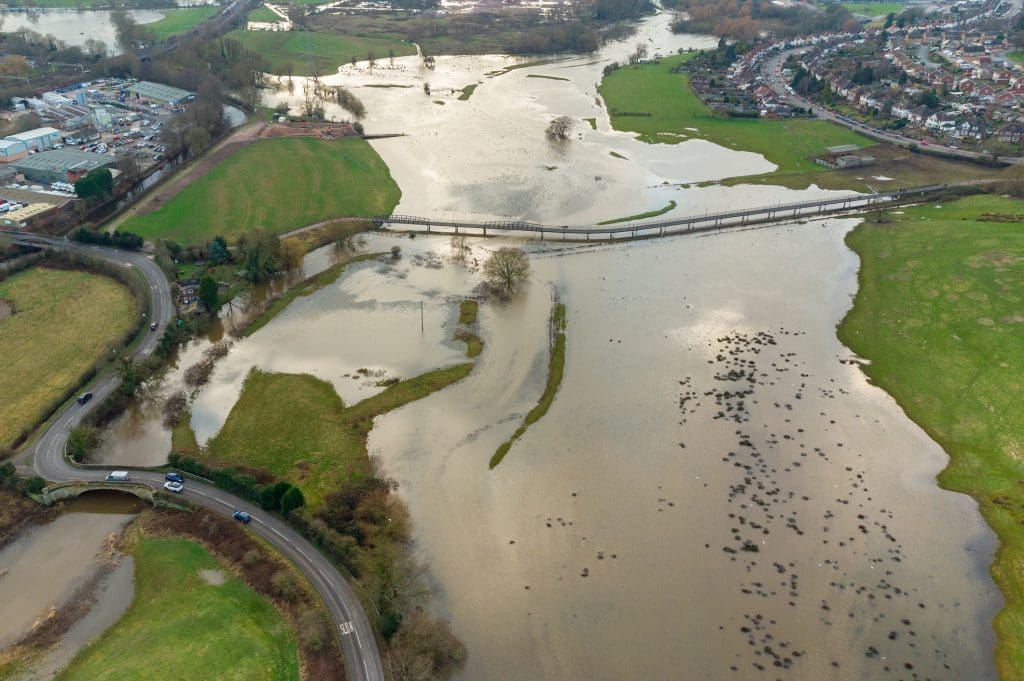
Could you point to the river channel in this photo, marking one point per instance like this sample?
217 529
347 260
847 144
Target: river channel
716 491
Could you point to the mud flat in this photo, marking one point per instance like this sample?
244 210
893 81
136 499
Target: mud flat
715 488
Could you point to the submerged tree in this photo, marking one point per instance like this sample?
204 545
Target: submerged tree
559 128
506 269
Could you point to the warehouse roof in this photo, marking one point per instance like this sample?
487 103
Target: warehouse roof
842 149
63 160
29 135
160 92
28 211
7 144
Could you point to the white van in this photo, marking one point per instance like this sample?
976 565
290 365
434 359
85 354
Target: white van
118 476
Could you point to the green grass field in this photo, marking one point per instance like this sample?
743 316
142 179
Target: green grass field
1015 55
939 313
63 322
263 13
296 427
179 626
874 9
177 21
329 50
278 185
673 106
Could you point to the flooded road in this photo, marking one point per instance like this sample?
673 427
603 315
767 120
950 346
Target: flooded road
716 488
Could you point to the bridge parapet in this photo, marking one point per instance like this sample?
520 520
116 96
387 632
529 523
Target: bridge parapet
69 490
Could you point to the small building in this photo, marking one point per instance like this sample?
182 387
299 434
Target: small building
160 93
39 139
12 150
28 216
64 165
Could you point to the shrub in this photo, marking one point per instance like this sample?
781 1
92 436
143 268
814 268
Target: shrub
291 500
35 484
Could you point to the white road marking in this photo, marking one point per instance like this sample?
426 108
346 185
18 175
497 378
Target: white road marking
346 628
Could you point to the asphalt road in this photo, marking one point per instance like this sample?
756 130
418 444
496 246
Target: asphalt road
362 656
771 70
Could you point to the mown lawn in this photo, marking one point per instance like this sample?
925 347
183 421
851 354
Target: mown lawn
296 427
177 21
1016 55
63 322
277 185
179 626
673 107
329 50
940 315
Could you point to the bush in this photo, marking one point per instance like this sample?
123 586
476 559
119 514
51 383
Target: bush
126 240
270 499
35 484
285 585
292 500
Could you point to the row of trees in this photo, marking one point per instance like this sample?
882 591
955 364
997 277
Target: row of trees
746 21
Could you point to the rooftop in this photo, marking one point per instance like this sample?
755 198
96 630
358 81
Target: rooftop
62 160
33 134
842 149
161 92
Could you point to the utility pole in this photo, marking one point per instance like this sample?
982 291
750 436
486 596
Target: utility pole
421 317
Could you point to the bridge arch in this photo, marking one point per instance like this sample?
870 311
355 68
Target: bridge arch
69 490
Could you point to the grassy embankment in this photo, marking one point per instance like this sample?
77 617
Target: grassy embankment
467 92
329 50
641 216
538 75
177 21
180 626
306 288
467 318
556 365
63 322
277 185
939 313
296 427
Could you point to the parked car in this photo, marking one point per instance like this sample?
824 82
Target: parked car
84 397
242 517
172 486
173 477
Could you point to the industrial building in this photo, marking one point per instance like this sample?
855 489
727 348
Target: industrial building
28 215
159 93
39 139
64 165
12 150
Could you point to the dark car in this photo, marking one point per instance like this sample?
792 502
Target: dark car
84 397
242 517
173 477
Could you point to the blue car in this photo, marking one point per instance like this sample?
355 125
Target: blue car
173 477
242 517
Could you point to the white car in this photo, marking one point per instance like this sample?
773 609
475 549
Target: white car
172 486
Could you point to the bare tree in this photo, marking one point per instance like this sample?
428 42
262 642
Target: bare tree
639 54
559 128
459 247
506 269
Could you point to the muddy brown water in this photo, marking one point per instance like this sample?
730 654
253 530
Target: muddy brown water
716 492
45 566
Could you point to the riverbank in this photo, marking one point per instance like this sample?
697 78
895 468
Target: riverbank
937 314
305 53
657 102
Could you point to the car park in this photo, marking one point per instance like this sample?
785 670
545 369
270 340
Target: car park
172 486
242 517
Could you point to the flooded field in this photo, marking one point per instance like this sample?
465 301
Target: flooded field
716 488
44 567
487 157
73 26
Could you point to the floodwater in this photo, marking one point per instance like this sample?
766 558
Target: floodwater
487 157
716 487
75 26
44 567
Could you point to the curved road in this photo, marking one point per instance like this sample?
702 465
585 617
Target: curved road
362 656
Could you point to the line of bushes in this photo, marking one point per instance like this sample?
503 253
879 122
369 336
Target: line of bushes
119 239
280 497
556 365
